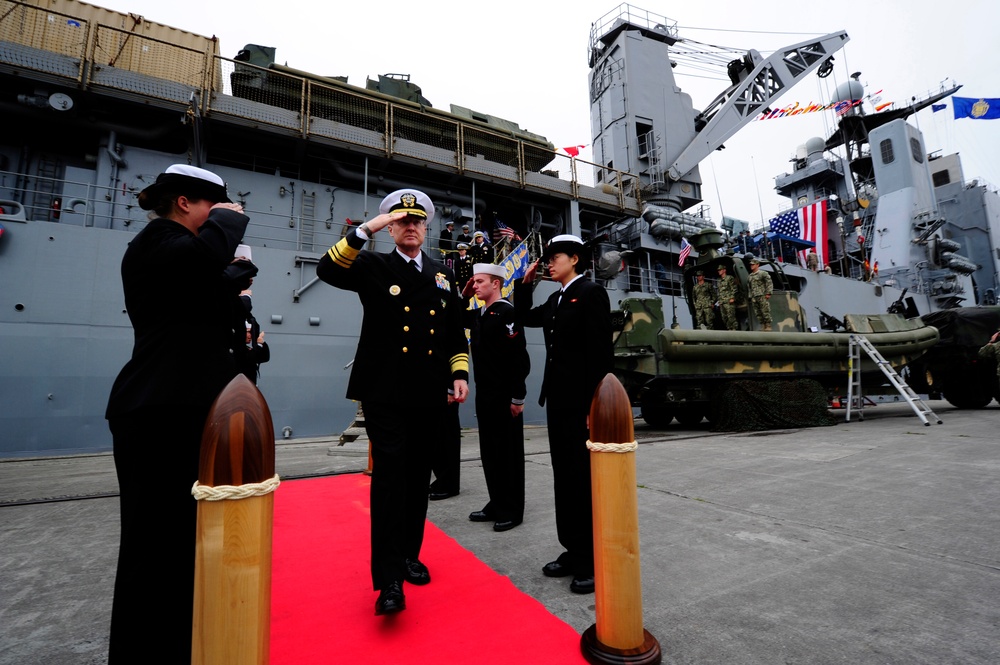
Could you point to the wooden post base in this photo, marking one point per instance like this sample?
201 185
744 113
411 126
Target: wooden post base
647 653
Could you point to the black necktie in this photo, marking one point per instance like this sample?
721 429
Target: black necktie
413 262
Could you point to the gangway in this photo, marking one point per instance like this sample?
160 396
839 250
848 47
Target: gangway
854 399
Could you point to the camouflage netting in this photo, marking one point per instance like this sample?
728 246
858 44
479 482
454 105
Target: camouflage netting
750 406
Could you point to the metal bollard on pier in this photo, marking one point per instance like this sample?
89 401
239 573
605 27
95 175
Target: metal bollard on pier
235 492
618 636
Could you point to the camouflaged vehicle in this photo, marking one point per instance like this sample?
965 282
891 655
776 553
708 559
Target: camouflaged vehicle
953 368
671 372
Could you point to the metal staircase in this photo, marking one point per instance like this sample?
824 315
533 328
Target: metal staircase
854 399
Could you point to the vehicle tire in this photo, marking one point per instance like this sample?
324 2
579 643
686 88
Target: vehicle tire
690 416
967 397
656 416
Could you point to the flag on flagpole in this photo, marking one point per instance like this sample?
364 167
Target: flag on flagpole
806 223
976 109
574 150
505 230
938 107
685 251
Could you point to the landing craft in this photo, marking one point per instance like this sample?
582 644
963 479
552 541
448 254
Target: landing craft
672 372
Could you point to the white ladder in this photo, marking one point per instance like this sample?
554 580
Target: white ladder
854 399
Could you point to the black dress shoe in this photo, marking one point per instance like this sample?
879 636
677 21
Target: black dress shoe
505 525
390 600
417 573
480 516
582 584
437 496
556 569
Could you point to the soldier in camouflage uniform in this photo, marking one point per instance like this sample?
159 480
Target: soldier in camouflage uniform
704 301
991 351
729 294
760 294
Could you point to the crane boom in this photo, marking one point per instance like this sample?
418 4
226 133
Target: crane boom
770 78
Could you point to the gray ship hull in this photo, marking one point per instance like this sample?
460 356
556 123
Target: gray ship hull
309 157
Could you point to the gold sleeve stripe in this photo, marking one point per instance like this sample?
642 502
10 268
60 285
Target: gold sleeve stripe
343 254
460 362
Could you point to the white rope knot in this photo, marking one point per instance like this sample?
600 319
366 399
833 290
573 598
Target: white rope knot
612 447
225 492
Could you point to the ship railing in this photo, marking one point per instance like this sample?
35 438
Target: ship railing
70 202
30 35
188 70
330 110
96 55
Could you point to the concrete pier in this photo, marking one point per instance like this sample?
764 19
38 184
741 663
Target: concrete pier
866 542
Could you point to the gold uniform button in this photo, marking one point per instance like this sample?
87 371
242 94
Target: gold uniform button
406 328
406 309
432 312
430 352
404 349
432 331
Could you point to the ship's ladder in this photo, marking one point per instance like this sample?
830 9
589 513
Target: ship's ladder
859 343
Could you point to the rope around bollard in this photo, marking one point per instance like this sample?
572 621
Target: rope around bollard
596 447
225 492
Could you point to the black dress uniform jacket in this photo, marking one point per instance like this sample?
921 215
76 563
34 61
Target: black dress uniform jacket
499 353
578 346
412 341
184 311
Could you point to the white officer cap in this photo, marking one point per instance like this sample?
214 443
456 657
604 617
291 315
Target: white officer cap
489 269
411 201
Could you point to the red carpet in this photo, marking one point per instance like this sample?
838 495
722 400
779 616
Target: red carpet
322 603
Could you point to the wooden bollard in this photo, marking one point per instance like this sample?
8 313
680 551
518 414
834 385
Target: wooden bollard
236 481
618 636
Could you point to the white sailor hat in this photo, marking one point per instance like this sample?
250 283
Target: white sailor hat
411 201
463 245
184 180
489 269
465 227
478 234
566 244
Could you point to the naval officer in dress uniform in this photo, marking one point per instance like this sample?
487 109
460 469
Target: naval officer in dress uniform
576 321
412 353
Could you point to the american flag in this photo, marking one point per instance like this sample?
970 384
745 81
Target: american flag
501 230
805 223
685 250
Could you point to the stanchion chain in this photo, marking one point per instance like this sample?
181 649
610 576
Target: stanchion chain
224 492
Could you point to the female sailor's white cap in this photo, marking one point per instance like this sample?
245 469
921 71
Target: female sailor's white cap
184 180
565 243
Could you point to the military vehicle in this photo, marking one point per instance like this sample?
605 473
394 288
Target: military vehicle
670 372
952 368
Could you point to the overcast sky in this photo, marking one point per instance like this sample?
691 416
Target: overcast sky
527 62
